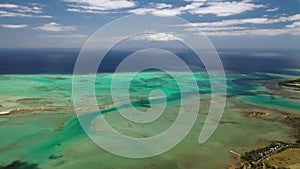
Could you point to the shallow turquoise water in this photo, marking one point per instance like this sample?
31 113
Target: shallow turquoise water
273 101
56 139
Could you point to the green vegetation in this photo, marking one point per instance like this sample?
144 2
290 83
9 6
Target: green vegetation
261 153
289 158
273 155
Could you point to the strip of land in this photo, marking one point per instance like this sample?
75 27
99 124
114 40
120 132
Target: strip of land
5 112
290 83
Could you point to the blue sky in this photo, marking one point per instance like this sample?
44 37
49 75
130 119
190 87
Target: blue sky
265 24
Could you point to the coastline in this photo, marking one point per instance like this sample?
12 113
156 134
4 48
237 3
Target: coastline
258 157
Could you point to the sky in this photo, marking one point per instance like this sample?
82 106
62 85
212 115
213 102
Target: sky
234 24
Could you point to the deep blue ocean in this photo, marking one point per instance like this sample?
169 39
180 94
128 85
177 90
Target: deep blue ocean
62 61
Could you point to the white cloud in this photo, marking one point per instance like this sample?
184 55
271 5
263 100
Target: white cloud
14 10
157 12
97 6
247 32
195 0
253 21
233 22
292 29
248 26
22 9
156 37
85 11
228 8
55 27
163 9
213 29
167 12
219 8
75 36
294 25
142 11
256 31
201 7
11 26
290 18
16 14
272 9
9 6
192 6
162 5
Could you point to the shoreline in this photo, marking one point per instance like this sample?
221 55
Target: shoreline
258 157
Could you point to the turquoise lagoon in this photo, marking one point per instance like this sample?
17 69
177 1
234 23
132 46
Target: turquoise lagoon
43 131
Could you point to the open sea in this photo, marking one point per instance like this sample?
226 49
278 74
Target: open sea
62 61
